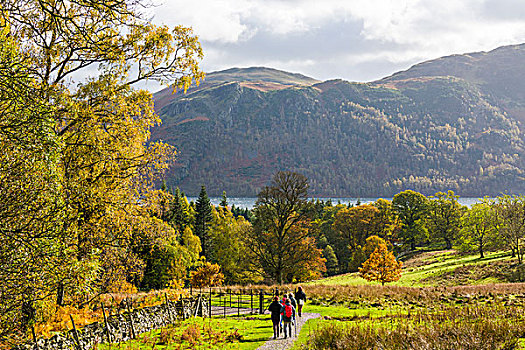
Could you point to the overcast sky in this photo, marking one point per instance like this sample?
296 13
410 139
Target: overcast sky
356 40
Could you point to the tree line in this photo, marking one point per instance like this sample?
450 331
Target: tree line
292 239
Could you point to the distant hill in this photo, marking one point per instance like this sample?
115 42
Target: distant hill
452 123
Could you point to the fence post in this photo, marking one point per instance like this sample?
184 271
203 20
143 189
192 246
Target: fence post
75 333
261 300
108 334
168 307
209 305
34 337
239 304
230 291
130 312
224 305
251 300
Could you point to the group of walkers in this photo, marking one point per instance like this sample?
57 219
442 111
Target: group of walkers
283 312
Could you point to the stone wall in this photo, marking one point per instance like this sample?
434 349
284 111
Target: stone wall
122 327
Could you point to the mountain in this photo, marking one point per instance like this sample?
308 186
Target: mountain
451 123
499 74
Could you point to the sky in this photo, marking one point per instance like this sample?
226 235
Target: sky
355 40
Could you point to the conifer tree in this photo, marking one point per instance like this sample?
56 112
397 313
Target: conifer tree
224 200
203 218
179 214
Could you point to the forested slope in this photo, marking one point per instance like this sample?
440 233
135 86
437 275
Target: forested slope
427 132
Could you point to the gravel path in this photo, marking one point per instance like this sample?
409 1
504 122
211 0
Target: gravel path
281 343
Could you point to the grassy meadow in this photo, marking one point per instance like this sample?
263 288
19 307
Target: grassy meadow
442 301
444 268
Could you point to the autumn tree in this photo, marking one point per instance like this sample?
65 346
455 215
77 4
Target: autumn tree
372 243
208 275
381 266
355 225
231 253
30 215
281 226
91 139
444 215
411 208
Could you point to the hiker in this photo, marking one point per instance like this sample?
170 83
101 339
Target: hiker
301 300
288 314
283 301
275 309
292 300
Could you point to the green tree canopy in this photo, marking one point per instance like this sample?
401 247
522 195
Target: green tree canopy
444 215
479 229
411 208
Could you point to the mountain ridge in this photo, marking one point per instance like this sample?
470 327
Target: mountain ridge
426 130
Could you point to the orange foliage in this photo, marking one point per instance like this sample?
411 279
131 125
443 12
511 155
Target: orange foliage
381 266
61 321
208 275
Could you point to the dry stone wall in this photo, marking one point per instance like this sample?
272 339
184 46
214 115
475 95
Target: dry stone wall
121 327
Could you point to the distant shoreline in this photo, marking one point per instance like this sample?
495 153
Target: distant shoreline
249 202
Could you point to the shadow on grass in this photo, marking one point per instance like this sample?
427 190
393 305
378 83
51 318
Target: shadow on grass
255 340
471 261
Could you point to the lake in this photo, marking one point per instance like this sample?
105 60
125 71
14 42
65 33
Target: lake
249 202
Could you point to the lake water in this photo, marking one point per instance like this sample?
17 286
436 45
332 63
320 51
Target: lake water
249 202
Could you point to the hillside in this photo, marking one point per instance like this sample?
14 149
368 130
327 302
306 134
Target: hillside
427 129
443 268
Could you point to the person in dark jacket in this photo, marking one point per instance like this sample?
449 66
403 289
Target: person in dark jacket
275 309
300 297
288 314
292 300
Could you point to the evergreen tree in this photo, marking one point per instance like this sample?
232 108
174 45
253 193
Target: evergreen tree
179 215
203 218
224 200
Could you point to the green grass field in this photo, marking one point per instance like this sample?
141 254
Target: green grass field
441 296
244 333
429 268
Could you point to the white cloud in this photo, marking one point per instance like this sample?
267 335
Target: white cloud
217 20
313 33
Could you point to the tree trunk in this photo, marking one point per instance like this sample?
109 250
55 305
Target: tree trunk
60 294
448 243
